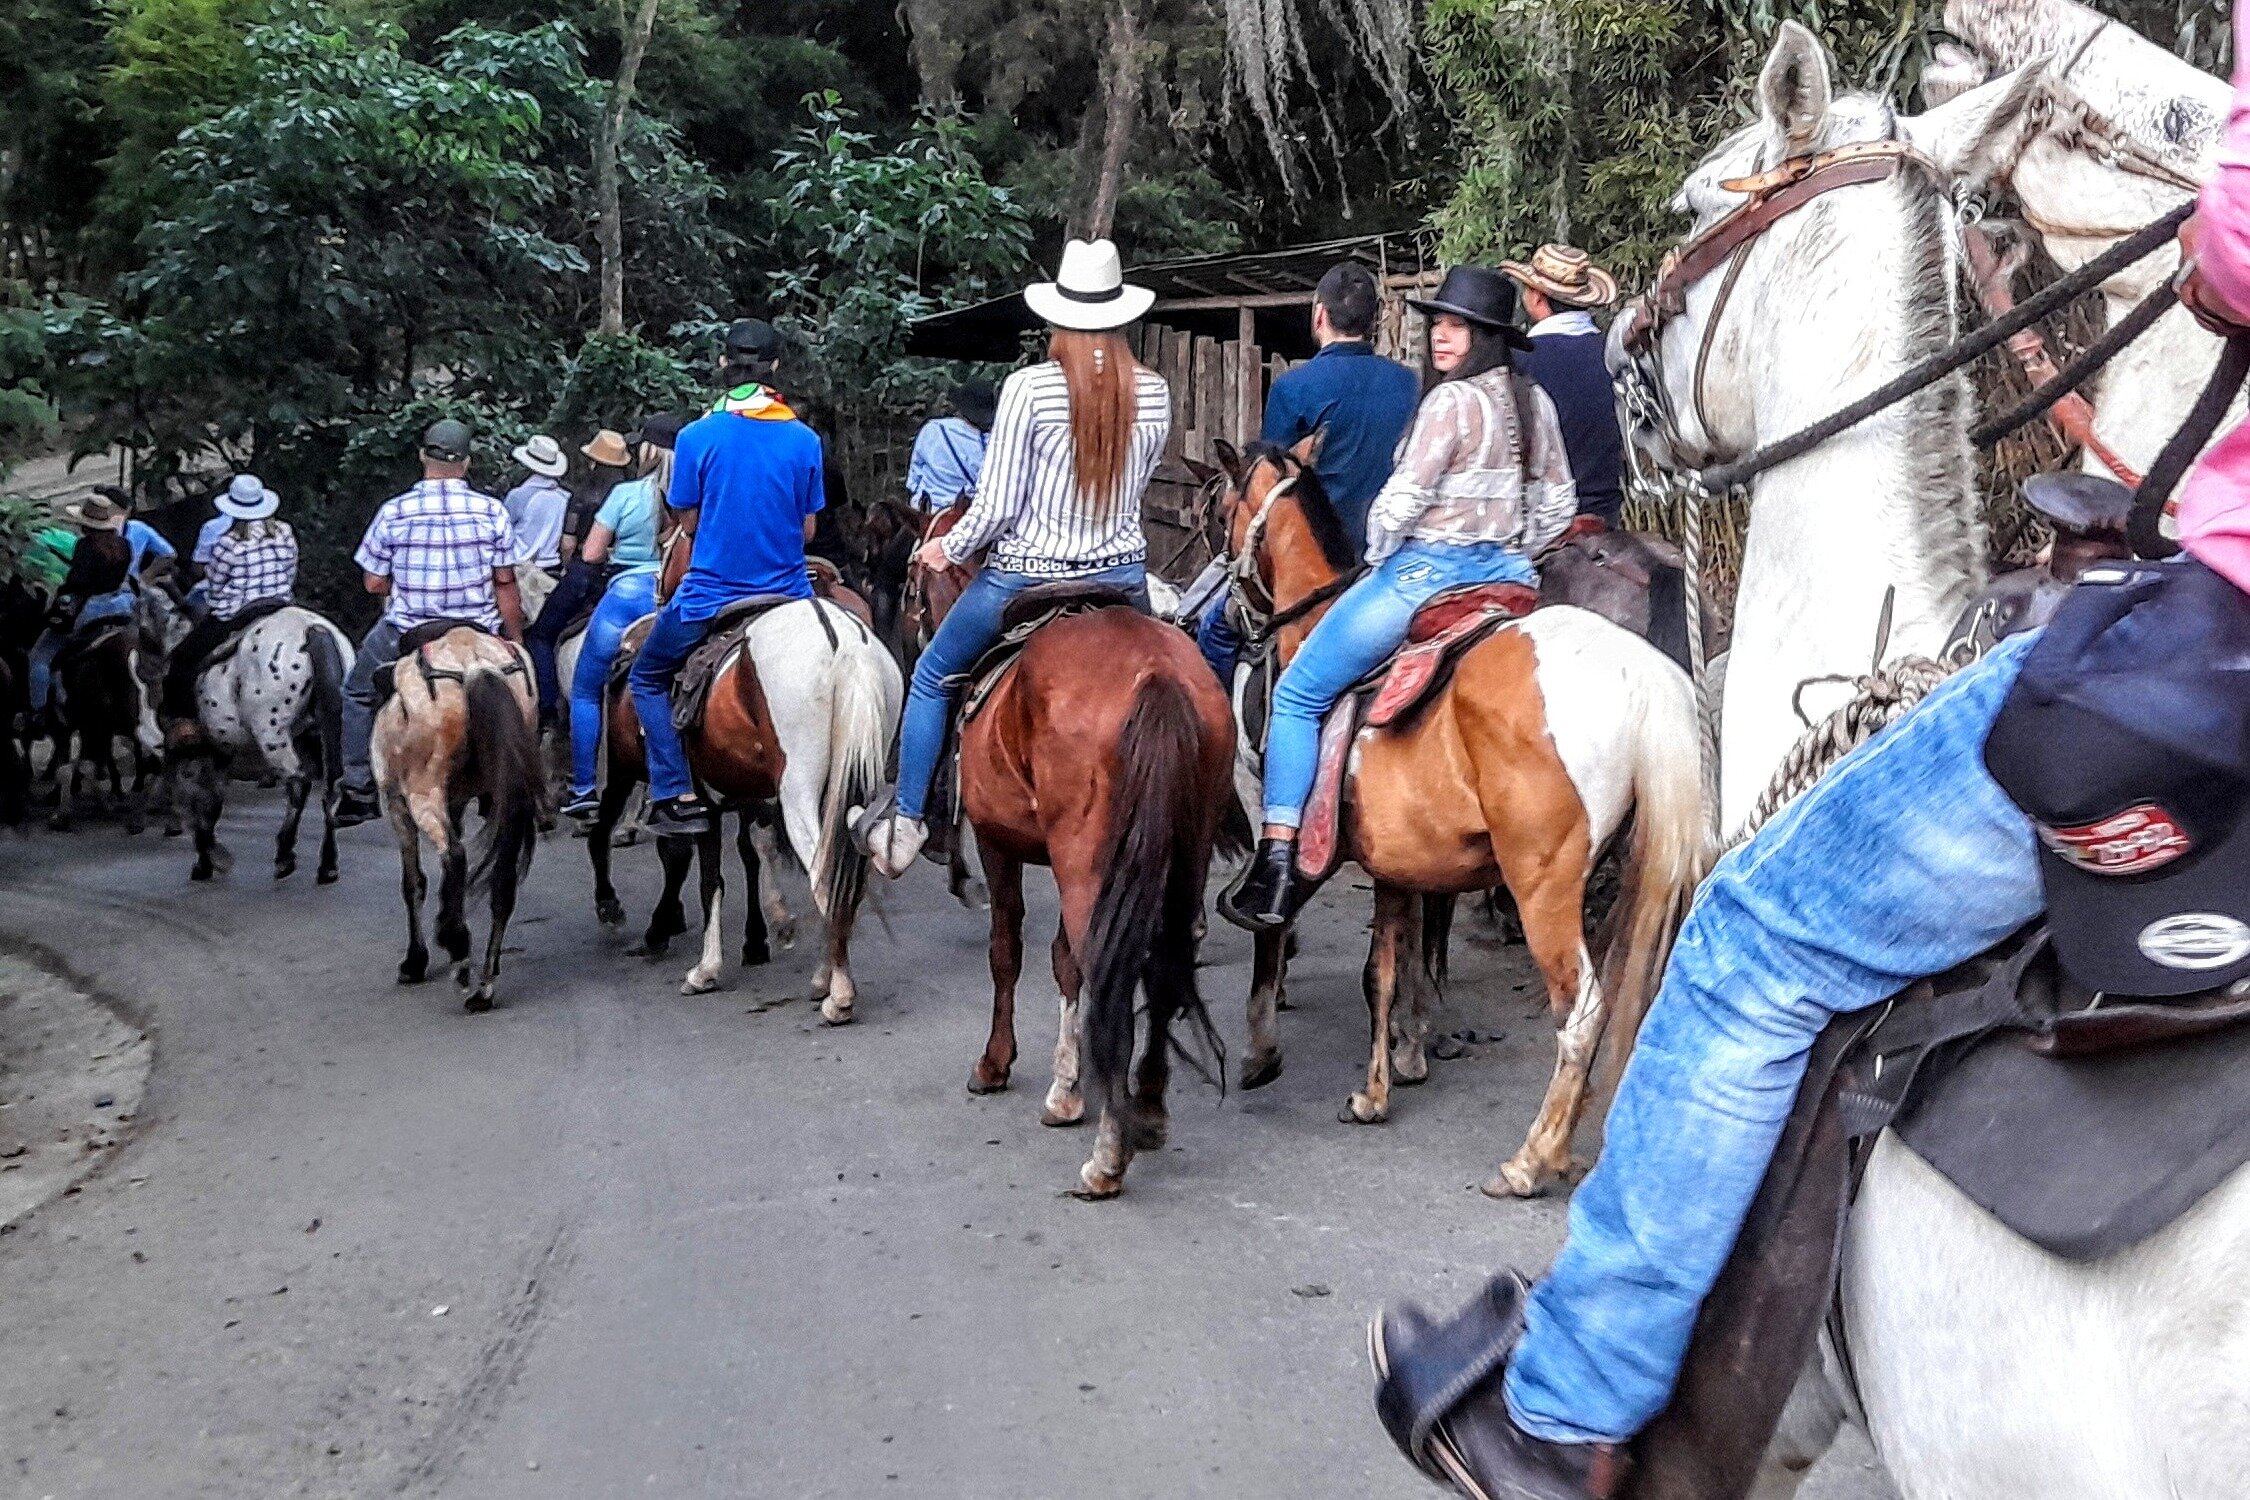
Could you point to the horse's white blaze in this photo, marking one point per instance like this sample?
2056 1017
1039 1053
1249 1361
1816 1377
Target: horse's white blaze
1989 1367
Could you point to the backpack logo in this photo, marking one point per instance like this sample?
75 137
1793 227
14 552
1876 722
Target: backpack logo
2196 940
2140 839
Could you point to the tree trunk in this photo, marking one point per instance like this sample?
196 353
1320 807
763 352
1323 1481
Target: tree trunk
608 133
1122 106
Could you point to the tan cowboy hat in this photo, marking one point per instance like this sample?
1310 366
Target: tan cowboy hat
608 449
1565 274
97 513
1090 292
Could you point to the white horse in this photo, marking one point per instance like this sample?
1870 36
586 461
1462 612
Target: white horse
1828 304
1986 1366
278 696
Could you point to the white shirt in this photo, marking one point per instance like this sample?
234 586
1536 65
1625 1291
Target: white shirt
1474 468
1028 508
1570 324
537 509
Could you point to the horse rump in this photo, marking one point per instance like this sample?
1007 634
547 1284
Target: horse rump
1142 931
859 737
500 766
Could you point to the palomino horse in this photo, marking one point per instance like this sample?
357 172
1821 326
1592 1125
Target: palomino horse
279 695
461 726
1102 754
1552 731
1981 1364
802 719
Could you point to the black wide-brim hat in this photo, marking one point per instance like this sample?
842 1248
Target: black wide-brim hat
2127 740
1482 296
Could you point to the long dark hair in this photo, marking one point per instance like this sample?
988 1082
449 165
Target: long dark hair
1489 350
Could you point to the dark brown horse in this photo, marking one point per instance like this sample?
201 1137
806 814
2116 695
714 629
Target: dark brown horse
104 698
1104 755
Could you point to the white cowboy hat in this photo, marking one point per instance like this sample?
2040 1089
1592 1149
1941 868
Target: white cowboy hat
1090 293
542 455
246 498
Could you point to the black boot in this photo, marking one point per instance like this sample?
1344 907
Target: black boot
1270 891
678 818
1439 1396
354 807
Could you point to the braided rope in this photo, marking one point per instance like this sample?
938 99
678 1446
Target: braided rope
1881 699
1699 671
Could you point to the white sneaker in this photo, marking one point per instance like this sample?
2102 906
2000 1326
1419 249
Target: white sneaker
893 843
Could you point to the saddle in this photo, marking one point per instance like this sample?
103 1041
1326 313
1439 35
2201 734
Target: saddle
2088 515
1443 631
239 627
2083 1122
723 636
410 645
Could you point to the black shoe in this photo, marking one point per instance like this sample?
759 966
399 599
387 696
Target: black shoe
1439 1396
678 818
581 807
354 808
1270 890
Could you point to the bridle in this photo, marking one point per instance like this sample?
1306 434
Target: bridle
1264 617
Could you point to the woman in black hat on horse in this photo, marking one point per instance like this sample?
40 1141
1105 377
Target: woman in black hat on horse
1481 485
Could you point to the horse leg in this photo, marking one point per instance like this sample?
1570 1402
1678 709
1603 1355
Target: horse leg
711 885
206 793
285 838
1269 963
506 871
453 889
836 1010
1551 905
616 792
1410 1062
766 839
1065 1104
990 1075
1396 914
64 763
755 949
668 920
414 887
325 872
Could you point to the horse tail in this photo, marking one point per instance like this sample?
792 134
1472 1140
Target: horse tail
862 708
500 762
1671 851
328 699
1143 928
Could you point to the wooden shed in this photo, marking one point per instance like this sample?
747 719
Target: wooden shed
1224 327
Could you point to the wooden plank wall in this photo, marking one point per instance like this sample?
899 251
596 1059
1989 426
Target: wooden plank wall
1218 392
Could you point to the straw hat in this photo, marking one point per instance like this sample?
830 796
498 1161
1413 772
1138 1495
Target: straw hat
542 455
97 513
247 499
1089 293
608 449
1567 275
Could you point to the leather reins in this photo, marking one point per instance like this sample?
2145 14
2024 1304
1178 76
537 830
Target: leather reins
1263 616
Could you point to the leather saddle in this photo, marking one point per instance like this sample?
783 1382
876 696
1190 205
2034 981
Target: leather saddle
410 646
723 636
2084 1123
2088 514
1444 630
239 627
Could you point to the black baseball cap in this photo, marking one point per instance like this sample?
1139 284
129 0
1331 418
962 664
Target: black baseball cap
752 338
447 441
661 428
2127 740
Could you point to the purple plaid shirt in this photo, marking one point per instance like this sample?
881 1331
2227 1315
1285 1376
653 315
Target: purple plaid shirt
251 561
439 545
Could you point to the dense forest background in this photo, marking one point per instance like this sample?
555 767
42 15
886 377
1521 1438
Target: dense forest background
284 234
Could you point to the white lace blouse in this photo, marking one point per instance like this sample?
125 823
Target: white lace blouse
1469 471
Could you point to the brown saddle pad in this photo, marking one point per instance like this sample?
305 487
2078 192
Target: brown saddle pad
1443 631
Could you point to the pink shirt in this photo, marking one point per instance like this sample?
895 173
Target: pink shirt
2214 502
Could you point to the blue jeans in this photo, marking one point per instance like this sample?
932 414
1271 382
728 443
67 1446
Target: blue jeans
1219 641
581 581
629 596
1905 860
1361 629
669 642
40 667
377 649
966 632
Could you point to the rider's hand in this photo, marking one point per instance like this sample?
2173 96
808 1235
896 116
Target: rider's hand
2195 294
931 556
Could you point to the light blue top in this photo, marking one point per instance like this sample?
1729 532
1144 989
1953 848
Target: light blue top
147 544
207 539
630 513
948 457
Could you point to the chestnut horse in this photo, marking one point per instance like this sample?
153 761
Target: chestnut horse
1104 754
799 720
1522 770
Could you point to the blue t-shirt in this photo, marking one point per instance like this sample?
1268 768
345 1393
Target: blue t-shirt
754 482
630 514
146 543
1366 403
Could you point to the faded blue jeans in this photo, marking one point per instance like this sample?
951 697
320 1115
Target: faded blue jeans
628 597
670 642
967 631
1362 628
1905 860
39 676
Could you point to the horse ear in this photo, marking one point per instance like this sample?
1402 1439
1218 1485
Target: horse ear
1979 132
1228 458
1308 451
1794 90
1203 473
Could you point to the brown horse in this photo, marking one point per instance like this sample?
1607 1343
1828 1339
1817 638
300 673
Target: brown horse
461 726
1104 755
1552 732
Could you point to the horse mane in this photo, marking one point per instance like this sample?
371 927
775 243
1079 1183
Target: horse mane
1313 503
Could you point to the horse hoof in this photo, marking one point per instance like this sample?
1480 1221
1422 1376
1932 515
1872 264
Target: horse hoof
699 984
986 1079
1064 1115
974 896
202 871
610 913
1515 1180
327 875
651 949
478 1003
785 933
1260 1069
132 830
284 868
1361 1110
1409 1069
836 1013
413 972
173 830
1095 1186
755 954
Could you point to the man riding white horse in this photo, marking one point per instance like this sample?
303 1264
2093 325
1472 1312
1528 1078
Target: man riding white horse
2000 794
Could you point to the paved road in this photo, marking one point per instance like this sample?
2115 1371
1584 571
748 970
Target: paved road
612 1241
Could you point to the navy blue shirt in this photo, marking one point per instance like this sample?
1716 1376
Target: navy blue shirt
754 479
1571 369
1366 403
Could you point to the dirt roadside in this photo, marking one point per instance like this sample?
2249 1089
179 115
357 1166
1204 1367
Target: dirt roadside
72 1070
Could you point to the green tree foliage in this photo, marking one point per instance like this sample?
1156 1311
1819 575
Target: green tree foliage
52 134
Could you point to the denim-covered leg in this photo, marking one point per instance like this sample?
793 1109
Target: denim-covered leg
669 642
1219 641
630 597
378 648
543 637
1351 640
1904 861
968 628
39 671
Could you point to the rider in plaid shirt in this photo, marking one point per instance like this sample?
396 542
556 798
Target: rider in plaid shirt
441 551
250 571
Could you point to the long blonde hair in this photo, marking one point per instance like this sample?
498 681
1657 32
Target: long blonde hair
1105 397
657 470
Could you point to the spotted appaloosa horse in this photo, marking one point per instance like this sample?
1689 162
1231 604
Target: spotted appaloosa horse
461 726
1104 755
1525 767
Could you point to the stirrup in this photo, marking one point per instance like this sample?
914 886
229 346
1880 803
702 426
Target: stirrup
865 820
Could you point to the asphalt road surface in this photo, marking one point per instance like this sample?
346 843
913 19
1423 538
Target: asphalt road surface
612 1241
